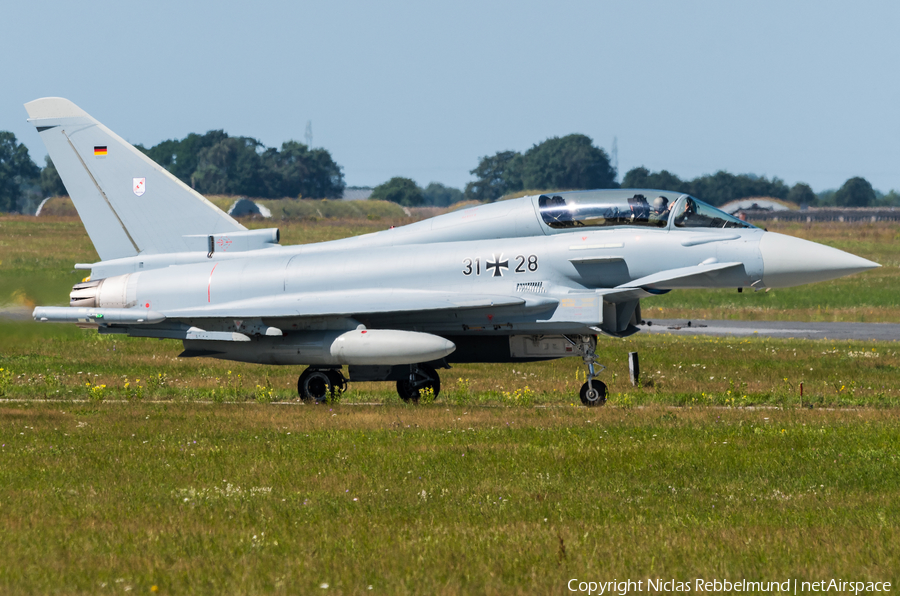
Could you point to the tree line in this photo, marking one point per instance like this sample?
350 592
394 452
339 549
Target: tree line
574 163
406 192
722 187
212 163
20 177
216 163
570 162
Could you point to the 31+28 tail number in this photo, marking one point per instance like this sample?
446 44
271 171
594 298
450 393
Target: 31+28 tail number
497 265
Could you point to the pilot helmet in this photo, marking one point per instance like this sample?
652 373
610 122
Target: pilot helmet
660 203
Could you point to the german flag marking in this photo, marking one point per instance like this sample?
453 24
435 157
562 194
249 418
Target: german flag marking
100 151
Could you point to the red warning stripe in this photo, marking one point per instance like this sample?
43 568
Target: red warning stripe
209 284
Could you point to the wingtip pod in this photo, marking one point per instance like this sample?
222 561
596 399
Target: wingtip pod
47 108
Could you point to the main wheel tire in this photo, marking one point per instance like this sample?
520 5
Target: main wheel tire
315 385
337 380
407 392
410 393
593 394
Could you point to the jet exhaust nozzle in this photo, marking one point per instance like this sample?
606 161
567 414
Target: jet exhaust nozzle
110 292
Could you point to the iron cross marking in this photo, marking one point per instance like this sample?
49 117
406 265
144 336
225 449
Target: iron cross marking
497 265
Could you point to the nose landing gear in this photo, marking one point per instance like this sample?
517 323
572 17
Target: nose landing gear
593 392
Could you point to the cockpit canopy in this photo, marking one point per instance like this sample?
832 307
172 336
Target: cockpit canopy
650 208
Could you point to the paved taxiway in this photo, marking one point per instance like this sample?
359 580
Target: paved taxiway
786 329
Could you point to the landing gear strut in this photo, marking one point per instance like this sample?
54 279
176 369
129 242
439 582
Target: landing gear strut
593 392
421 377
317 385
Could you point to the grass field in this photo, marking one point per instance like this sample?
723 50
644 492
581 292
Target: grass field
125 469
245 499
65 363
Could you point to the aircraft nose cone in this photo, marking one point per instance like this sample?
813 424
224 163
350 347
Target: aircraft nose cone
789 261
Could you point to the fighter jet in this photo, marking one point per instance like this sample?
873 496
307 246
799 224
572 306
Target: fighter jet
521 280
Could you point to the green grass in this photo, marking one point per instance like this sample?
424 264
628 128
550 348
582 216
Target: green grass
248 499
37 256
320 209
122 466
62 362
282 209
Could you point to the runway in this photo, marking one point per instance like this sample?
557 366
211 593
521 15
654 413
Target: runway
783 329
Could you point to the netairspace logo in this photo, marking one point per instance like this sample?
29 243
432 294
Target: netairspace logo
791 586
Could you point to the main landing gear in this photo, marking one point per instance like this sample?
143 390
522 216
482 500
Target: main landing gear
319 384
593 392
415 381
421 379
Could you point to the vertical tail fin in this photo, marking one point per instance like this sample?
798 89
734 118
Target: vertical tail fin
129 204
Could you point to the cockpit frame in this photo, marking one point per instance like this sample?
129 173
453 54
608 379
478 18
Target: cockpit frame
567 211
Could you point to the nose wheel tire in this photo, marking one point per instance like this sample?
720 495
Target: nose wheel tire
593 394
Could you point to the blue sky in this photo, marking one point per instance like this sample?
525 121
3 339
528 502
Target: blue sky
807 91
